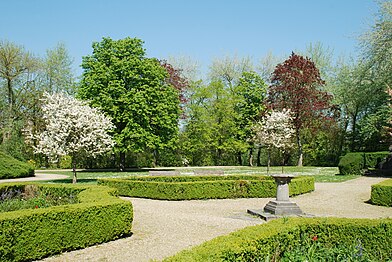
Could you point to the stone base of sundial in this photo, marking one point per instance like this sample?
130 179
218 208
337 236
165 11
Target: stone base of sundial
282 206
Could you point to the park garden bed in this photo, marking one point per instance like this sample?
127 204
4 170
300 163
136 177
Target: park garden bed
204 187
94 215
382 193
300 239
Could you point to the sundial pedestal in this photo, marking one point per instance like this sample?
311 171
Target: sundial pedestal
282 206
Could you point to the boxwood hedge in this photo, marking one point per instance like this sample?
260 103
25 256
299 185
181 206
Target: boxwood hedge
204 187
31 234
273 239
13 168
354 163
382 193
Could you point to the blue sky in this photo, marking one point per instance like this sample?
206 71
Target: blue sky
202 29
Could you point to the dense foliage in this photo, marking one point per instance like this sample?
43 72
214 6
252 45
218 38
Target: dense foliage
133 90
382 193
355 163
33 234
13 168
282 238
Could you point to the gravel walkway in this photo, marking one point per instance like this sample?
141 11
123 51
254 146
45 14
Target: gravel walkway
36 177
162 228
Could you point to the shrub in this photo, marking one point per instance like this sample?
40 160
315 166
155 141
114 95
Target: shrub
12 168
31 234
272 241
354 163
351 164
382 193
204 187
372 159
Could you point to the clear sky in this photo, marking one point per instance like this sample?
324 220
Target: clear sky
201 29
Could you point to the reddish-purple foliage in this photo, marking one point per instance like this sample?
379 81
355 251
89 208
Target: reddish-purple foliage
295 85
176 80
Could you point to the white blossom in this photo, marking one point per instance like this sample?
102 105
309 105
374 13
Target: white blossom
72 127
276 129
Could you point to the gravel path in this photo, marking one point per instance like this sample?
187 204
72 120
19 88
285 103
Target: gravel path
36 177
162 228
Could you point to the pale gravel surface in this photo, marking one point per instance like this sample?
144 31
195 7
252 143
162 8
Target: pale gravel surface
36 177
162 228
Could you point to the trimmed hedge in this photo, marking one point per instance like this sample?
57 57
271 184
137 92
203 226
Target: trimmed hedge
13 168
273 239
31 234
354 163
382 193
204 187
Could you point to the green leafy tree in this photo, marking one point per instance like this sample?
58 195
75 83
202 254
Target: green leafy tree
132 89
58 75
250 93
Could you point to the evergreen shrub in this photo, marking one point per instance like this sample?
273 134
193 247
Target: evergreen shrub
382 193
204 187
354 163
351 164
32 234
272 240
13 168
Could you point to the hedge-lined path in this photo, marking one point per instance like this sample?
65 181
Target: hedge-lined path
36 177
162 228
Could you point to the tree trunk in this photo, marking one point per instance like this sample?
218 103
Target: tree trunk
354 131
300 152
10 94
74 179
251 156
239 158
268 160
258 162
342 138
122 162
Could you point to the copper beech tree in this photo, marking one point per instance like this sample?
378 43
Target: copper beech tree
295 85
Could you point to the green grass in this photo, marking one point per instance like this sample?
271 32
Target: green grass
321 174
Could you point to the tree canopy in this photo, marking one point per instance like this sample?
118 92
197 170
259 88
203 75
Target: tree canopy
131 88
296 86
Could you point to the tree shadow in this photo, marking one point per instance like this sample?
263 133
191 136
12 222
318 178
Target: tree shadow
69 181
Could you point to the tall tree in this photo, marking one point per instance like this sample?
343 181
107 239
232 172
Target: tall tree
296 86
14 62
228 70
132 89
58 70
251 93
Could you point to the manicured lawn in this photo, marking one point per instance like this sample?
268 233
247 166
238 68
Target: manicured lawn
321 174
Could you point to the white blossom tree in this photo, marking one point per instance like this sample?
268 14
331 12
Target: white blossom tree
72 128
276 129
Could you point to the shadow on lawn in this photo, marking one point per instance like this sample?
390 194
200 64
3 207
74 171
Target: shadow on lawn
69 181
131 170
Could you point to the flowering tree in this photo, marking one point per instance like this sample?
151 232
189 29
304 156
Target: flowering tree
72 128
276 129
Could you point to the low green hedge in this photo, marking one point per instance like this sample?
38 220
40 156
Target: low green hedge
382 193
204 187
13 168
271 240
354 163
31 234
